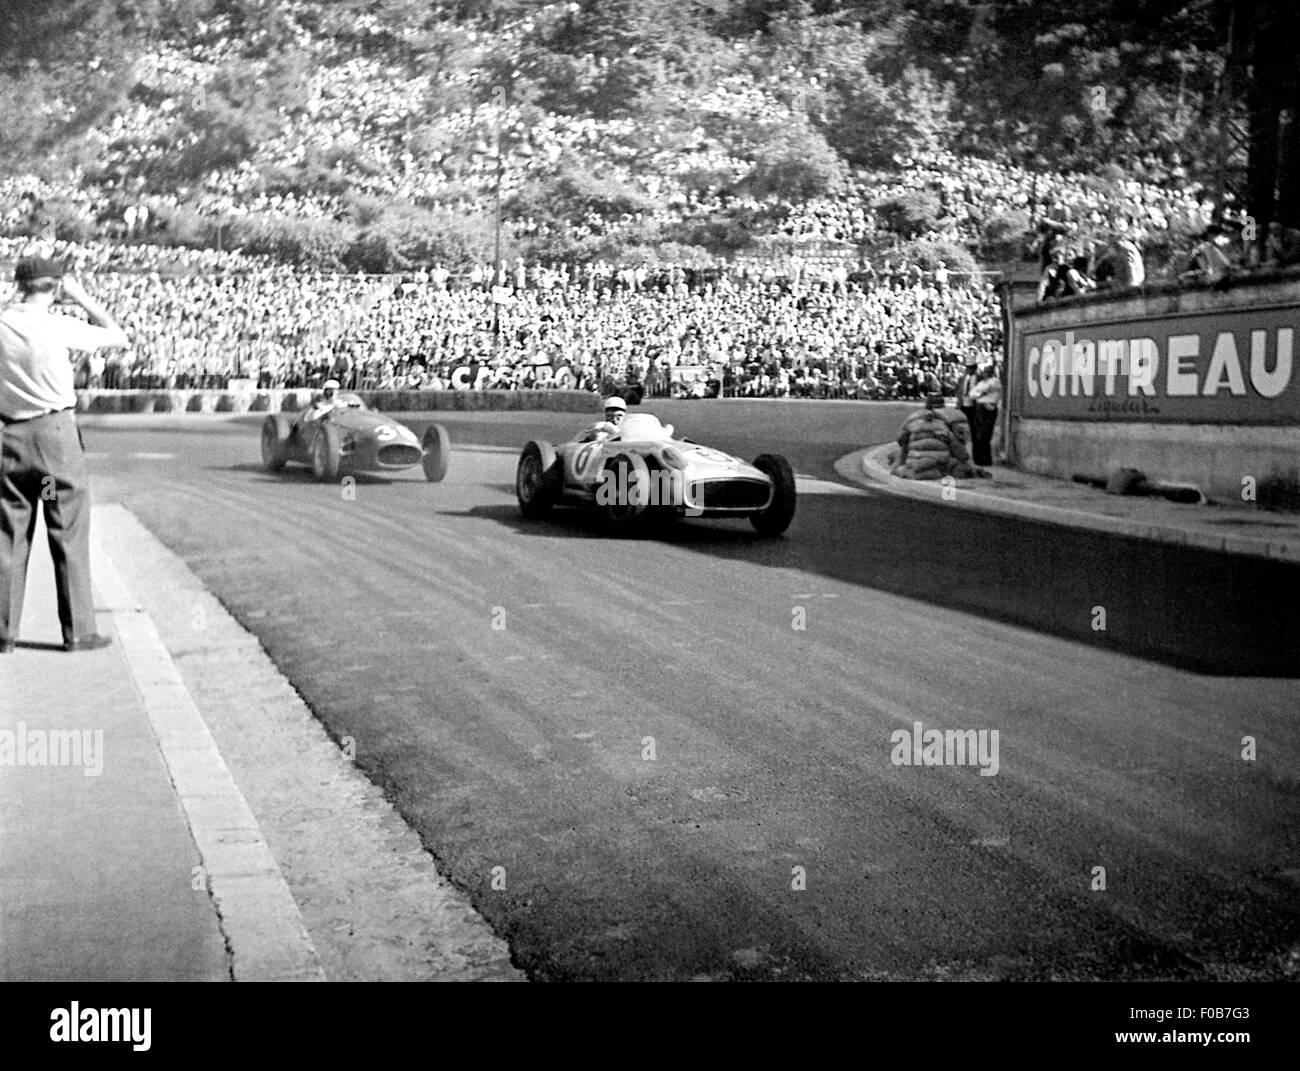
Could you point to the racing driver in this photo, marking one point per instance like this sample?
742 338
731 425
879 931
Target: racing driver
325 404
615 410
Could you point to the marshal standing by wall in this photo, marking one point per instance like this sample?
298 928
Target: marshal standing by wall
42 462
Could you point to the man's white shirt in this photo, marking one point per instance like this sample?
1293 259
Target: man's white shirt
36 371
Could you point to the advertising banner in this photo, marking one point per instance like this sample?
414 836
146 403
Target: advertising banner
539 375
1226 367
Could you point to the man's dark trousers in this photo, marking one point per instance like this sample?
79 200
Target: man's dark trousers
42 464
982 428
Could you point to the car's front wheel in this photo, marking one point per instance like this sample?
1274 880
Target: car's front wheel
437 453
326 454
276 430
535 481
623 494
776 518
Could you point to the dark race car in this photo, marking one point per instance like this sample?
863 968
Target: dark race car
350 438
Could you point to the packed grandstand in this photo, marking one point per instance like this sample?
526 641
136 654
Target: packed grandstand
352 230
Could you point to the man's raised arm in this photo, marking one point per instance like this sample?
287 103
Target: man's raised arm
95 313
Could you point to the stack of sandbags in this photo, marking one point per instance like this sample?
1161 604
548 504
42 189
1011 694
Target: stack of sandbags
962 468
934 443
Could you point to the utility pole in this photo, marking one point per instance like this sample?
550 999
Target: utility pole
496 248
1224 101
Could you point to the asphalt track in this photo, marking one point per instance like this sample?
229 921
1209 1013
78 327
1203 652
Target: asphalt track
770 836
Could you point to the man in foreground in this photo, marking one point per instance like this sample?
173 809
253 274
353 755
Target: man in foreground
42 463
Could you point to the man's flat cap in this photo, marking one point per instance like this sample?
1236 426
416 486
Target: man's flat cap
29 268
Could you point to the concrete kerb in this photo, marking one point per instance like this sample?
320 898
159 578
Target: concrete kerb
368 894
258 916
868 467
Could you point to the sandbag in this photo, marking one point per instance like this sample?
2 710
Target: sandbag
930 435
922 421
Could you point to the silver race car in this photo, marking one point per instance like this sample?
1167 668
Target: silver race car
637 469
351 438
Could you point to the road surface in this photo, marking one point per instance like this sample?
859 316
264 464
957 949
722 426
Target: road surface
674 758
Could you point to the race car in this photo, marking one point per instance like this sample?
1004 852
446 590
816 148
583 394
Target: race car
350 438
637 469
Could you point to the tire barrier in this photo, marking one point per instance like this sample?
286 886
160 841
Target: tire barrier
405 401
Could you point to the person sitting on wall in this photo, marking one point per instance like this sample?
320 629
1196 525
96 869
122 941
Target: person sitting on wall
1076 277
1129 268
1210 261
1052 283
1051 233
1283 246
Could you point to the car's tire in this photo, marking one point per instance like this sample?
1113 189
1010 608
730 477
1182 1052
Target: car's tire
326 454
437 453
631 477
535 480
276 430
780 511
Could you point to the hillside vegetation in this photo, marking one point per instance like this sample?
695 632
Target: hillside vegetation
376 134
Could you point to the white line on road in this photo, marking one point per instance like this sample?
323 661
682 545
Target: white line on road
811 485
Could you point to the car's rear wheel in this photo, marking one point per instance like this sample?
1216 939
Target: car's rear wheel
326 454
437 453
776 518
535 480
276 430
624 492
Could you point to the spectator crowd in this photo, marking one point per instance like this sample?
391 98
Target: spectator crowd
892 331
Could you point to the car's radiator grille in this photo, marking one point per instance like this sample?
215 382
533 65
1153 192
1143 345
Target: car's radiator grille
730 494
399 454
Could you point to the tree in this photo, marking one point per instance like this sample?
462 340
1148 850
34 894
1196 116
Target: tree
910 214
404 235
794 164
930 254
225 121
1004 237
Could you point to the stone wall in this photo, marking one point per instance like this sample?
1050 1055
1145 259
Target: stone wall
1195 438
